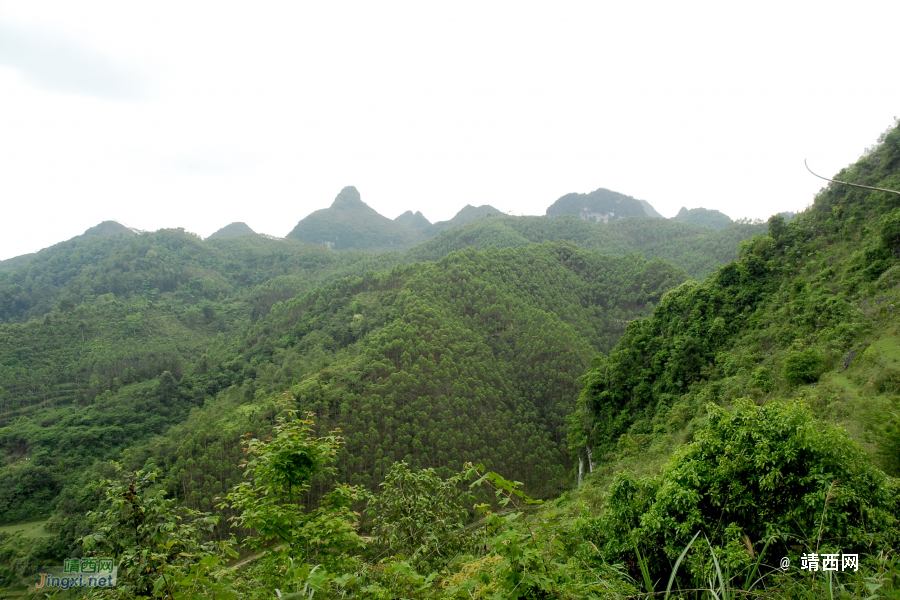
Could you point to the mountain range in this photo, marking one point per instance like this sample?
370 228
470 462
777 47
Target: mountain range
350 223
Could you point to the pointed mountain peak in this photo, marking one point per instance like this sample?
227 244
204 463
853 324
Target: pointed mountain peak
415 220
351 223
348 198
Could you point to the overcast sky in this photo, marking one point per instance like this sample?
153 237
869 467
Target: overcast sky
197 114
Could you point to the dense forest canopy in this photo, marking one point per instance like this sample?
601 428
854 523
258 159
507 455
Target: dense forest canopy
391 359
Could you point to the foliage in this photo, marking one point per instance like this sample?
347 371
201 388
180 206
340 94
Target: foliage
695 249
803 366
278 475
175 348
106 369
793 309
155 542
418 371
418 514
751 475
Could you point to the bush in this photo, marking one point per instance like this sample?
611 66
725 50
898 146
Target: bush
803 366
751 474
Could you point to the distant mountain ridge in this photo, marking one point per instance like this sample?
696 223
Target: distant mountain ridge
600 206
415 220
651 212
103 229
109 228
703 217
349 223
467 214
232 230
606 206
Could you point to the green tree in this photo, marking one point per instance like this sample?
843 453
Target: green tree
417 512
890 231
156 542
271 499
753 474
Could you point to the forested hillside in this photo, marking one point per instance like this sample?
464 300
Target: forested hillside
477 355
804 324
811 303
101 328
94 313
695 249
392 359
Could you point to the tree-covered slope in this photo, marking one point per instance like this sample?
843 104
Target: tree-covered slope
405 353
477 356
695 249
750 404
808 311
99 330
169 264
759 404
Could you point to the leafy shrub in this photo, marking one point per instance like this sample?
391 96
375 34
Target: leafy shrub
762 379
417 512
803 366
750 475
889 448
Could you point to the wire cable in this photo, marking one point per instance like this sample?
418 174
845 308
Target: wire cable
868 187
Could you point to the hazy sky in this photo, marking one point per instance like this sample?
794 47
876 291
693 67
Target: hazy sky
196 114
